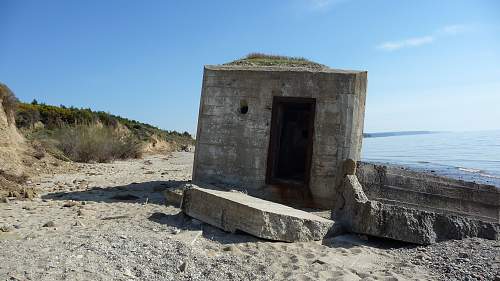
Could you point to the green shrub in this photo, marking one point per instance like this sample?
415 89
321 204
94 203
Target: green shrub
56 117
84 143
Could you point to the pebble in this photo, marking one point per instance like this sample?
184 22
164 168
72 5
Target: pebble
70 203
183 266
448 260
6 228
128 272
463 255
233 249
49 224
78 223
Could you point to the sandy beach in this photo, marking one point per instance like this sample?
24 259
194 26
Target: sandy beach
109 222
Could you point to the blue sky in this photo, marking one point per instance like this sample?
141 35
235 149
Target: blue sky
432 65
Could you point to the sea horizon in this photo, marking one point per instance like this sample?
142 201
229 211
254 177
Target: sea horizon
465 155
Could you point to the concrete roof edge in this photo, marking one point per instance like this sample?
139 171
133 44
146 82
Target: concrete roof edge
280 68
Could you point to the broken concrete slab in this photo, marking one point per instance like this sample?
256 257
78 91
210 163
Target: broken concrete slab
231 211
358 214
173 196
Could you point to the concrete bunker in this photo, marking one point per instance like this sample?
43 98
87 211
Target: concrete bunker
290 131
280 132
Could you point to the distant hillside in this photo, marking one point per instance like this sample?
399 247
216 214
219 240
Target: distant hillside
84 135
33 115
392 134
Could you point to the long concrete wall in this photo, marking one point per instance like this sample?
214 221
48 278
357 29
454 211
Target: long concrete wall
232 147
397 186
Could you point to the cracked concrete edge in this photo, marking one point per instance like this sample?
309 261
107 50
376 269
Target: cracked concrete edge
359 215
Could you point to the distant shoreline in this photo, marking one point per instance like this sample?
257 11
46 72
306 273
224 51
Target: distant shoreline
401 133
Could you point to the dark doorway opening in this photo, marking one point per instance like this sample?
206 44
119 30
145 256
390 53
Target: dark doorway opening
290 148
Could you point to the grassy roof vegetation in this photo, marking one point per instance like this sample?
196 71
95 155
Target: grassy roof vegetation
259 59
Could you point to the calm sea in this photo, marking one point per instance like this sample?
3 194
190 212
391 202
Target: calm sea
471 156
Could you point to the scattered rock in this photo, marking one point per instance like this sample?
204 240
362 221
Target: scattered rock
318 261
81 212
28 208
233 249
463 255
127 272
6 228
448 261
70 203
183 266
49 224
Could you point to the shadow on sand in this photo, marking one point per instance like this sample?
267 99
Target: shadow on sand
150 192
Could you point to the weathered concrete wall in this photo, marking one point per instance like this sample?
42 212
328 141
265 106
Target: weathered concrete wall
396 186
356 213
232 147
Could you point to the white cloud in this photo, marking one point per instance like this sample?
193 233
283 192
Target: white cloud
410 42
448 30
455 29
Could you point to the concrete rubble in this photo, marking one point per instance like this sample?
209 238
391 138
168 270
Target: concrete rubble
356 213
173 196
232 211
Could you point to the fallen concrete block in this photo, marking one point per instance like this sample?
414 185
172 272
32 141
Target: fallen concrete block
358 214
233 211
173 196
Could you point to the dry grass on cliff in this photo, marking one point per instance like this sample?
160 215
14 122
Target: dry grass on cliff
9 102
88 143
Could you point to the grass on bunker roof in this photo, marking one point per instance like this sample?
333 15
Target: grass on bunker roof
260 59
